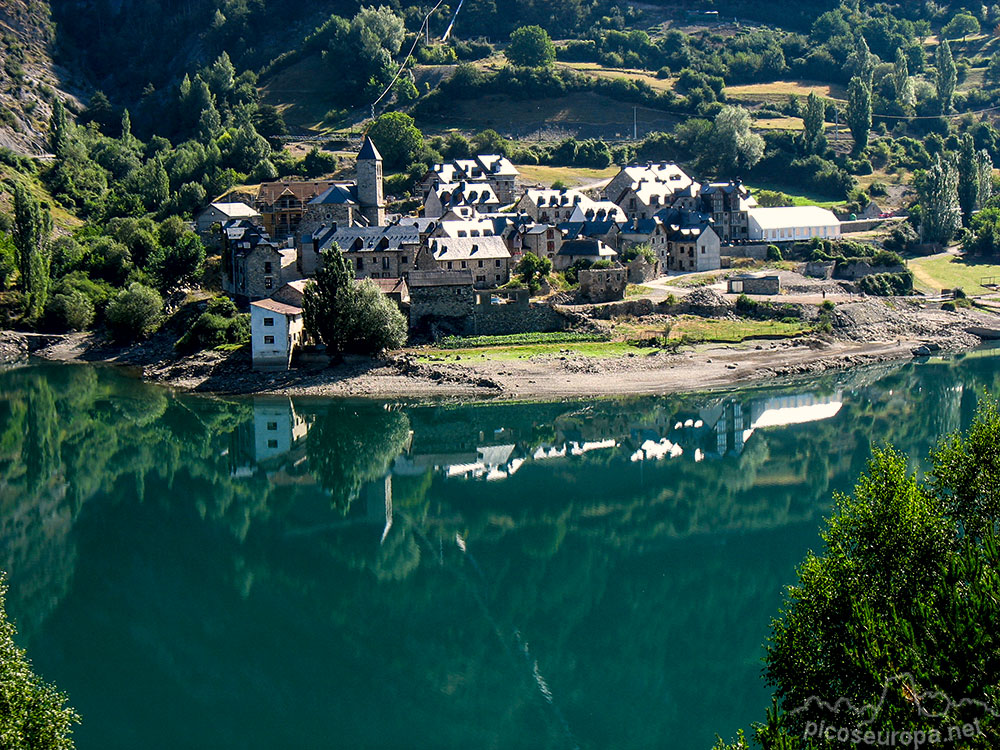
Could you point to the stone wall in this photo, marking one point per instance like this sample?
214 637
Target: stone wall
603 284
500 320
757 252
859 269
447 309
641 270
820 269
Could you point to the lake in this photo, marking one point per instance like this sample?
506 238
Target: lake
307 573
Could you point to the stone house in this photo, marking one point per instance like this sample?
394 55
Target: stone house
487 258
544 240
276 332
603 284
395 289
551 206
446 197
589 211
492 169
607 231
282 203
665 173
254 266
754 284
443 300
583 249
461 224
729 204
690 246
374 252
223 213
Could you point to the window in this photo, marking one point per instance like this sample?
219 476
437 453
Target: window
385 262
267 266
703 251
463 264
272 443
360 264
268 282
480 279
269 339
269 321
272 425
449 265
404 260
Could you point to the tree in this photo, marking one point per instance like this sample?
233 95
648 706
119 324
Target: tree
32 226
908 583
941 215
35 715
135 313
901 81
946 77
71 311
530 47
349 316
178 264
737 146
58 127
814 119
859 112
861 62
531 269
969 178
962 25
397 138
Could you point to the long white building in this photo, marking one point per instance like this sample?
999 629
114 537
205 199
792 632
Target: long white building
790 223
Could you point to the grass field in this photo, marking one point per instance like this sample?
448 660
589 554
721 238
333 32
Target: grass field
733 331
939 272
599 71
781 90
600 349
799 198
779 123
569 176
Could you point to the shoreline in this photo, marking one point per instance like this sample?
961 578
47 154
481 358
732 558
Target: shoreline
543 378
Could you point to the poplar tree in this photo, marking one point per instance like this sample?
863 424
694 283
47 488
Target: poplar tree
941 215
968 179
947 76
58 127
901 81
859 112
32 226
814 139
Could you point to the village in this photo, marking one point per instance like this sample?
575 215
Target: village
453 269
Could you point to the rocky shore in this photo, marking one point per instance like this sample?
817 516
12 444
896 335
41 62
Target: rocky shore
864 332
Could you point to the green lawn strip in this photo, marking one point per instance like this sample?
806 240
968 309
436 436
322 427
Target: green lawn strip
734 331
599 349
951 271
798 197
518 339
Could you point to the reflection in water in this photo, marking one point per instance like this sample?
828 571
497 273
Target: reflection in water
302 572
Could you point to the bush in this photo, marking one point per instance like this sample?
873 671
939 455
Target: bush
901 238
774 253
134 314
949 306
887 284
220 324
72 311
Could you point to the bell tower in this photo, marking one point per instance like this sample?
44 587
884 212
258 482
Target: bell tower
370 195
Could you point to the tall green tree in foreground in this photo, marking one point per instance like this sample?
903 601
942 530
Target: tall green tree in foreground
33 713
859 112
941 214
349 316
32 226
530 47
947 76
901 610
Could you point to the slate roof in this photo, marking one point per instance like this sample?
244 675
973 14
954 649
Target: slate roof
368 239
587 248
278 307
368 151
336 194
468 248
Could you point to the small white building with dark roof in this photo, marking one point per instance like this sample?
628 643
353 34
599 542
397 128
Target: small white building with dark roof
276 331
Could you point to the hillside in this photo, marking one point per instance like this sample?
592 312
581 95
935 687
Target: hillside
28 76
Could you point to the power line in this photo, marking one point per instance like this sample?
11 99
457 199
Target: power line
416 39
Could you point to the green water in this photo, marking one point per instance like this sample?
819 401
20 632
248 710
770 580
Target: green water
264 573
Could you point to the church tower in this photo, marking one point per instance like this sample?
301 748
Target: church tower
370 194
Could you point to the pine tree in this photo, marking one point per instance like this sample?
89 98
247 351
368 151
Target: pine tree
941 215
947 76
859 112
32 226
814 139
326 304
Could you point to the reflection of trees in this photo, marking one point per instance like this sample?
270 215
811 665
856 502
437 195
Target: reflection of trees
349 447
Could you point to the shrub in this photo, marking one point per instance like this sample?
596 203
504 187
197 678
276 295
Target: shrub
887 284
72 311
949 306
134 314
220 324
774 253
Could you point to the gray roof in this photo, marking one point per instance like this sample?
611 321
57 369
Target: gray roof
361 239
368 151
336 194
440 278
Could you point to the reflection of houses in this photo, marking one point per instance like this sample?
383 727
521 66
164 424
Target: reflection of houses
273 440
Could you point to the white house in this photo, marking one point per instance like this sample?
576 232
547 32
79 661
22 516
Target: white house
276 331
790 223
222 212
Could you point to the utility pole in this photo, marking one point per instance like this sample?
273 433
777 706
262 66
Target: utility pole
635 123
